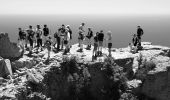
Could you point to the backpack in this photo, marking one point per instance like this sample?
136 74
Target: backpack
55 35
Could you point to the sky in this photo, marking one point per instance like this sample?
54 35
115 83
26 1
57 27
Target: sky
106 7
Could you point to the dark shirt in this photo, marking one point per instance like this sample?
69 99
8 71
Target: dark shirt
22 35
90 34
100 36
30 34
139 32
46 31
135 41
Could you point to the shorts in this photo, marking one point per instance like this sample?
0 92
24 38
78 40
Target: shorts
31 42
95 46
139 37
109 45
89 37
81 37
65 42
100 43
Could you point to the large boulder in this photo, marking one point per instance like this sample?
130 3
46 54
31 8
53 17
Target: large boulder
9 50
5 68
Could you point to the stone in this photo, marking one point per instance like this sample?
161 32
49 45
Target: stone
9 50
5 68
34 76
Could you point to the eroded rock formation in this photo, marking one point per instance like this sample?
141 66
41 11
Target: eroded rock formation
9 50
141 76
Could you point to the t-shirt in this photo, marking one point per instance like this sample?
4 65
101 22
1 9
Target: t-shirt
46 31
100 36
139 32
81 29
109 39
39 34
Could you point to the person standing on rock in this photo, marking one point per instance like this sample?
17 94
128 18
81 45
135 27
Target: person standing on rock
39 37
66 41
57 40
22 37
30 33
62 35
70 31
109 42
139 34
94 55
81 37
48 45
45 33
100 39
89 36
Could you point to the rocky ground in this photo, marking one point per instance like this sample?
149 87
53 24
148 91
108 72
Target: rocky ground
126 76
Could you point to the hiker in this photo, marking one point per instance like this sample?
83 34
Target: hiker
62 35
57 40
39 37
134 44
139 34
70 31
135 40
94 55
66 41
30 33
45 33
22 37
109 42
89 36
48 44
81 37
100 40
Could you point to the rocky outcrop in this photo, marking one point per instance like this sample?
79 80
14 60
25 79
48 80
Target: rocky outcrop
5 68
126 76
9 50
157 85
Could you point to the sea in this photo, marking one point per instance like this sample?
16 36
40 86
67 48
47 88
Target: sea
156 27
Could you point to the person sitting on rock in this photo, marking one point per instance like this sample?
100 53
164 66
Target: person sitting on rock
30 33
139 34
22 37
135 40
39 37
100 40
94 55
81 37
89 36
109 42
134 44
48 45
